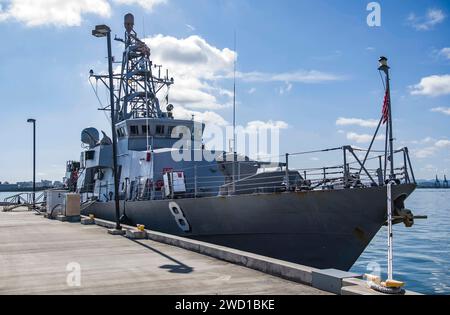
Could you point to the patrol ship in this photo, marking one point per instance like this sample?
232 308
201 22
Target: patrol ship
322 217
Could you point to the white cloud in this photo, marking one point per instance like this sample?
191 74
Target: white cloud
445 52
362 138
54 12
369 123
428 140
300 76
425 152
252 91
190 27
427 22
64 13
442 110
258 125
201 70
148 5
195 65
430 151
286 89
434 85
443 143
207 117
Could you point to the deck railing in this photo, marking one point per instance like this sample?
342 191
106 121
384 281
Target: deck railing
359 169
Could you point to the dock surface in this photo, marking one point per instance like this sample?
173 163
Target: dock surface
35 254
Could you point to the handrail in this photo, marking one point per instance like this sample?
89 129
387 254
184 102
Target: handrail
23 200
357 171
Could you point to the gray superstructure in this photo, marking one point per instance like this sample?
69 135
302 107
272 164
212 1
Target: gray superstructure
322 217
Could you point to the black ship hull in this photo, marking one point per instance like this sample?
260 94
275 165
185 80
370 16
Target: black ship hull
322 229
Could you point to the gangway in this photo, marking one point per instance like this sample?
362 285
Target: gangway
24 200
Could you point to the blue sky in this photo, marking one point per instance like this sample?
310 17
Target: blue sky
301 64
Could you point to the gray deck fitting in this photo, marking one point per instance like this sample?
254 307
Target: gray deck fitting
73 219
136 235
116 232
87 221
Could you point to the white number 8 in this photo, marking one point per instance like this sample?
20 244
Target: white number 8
180 219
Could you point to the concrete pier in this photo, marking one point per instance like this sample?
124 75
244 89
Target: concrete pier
35 252
42 256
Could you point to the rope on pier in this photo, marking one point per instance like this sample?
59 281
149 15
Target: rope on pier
386 290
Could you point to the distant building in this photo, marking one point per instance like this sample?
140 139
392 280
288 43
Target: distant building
58 184
24 185
8 187
41 184
44 184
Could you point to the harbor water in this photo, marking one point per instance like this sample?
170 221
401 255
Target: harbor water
4 194
421 254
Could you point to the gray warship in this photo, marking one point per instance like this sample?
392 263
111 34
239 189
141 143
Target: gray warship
322 217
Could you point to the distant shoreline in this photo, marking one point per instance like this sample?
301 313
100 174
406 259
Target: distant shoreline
25 189
40 189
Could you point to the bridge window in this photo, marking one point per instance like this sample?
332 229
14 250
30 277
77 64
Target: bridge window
145 130
171 131
134 130
179 132
160 129
121 132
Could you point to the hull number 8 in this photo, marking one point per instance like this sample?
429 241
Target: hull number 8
180 219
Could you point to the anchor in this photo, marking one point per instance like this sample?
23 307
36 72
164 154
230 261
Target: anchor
403 215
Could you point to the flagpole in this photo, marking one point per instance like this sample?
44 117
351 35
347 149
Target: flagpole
385 68
234 116
391 136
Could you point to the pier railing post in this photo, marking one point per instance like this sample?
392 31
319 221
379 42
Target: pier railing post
410 165
172 190
324 178
239 171
380 175
405 166
288 184
195 181
345 167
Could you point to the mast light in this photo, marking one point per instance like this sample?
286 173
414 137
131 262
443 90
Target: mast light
101 30
383 61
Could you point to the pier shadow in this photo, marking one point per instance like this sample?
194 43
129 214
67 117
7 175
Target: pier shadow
178 267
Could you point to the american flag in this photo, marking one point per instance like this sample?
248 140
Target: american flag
386 107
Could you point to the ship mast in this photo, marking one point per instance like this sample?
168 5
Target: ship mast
137 95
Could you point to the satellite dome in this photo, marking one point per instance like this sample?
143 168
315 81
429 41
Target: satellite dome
90 136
